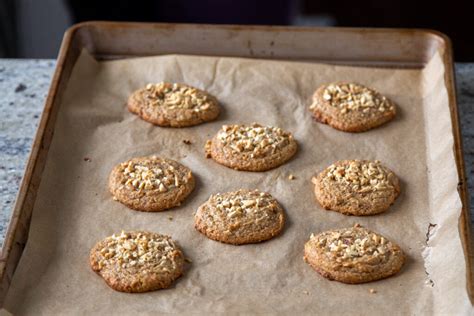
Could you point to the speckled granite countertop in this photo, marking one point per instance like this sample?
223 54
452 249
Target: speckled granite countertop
24 85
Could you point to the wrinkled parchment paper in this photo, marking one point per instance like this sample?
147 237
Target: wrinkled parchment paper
74 208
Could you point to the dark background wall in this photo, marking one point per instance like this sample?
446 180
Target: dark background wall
34 28
453 17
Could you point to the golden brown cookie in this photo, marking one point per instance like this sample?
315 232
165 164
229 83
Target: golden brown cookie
151 184
251 147
356 187
173 104
353 255
351 107
240 217
137 261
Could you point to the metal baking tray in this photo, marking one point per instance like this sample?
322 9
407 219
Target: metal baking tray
109 40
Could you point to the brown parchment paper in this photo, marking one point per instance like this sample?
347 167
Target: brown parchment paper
74 208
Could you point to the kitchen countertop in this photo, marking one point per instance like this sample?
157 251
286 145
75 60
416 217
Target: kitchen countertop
24 84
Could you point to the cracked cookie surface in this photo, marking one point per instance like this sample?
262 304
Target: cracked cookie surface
356 187
351 107
137 261
353 255
173 104
151 184
251 147
240 217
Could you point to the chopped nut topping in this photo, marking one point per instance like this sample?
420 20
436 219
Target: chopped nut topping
255 139
152 174
363 176
138 250
251 205
177 96
355 242
240 217
354 97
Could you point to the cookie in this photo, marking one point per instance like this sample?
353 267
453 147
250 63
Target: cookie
251 147
173 104
240 217
151 184
356 187
351 107
353 255
137 261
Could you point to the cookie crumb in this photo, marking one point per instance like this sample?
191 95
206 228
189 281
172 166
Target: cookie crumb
207 148
372 291
87 159
291 177
306 292
357 225
170 218
115 199
187 141
188 260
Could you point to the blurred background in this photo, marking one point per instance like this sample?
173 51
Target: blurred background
34 28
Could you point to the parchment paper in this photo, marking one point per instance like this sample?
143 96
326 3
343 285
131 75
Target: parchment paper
74 208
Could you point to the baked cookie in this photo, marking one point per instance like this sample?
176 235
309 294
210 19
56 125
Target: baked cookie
151 184
351 107
173 104
353 255
137 261
251 147
240 217
356 187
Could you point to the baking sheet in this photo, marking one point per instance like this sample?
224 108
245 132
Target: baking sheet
74 209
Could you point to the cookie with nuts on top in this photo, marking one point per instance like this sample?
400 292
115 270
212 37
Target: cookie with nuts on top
240 217
356 187
251 147
173 104
151 184
137 261
351 107
353 255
